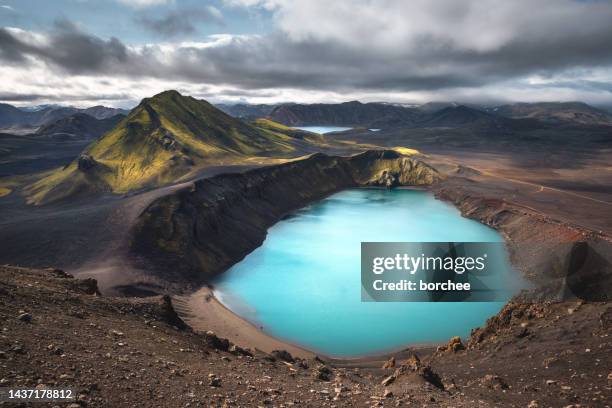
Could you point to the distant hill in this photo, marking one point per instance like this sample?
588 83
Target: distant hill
163 139
103 112
11 116
79 126
246 111
464 116
453 116
354 114
556 112
431 107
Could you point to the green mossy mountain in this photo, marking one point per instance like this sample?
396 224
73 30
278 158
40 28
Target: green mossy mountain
165 138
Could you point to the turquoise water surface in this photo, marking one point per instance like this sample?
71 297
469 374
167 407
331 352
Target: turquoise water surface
322 129
303 284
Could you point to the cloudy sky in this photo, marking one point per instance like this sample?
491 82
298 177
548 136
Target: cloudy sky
115 52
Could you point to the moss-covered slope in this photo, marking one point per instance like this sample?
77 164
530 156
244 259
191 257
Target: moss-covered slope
163 139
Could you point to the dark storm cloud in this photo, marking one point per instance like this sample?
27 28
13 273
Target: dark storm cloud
11 49
580 85
31 97
325 62
179 22
68 48
14 97
78 51
276 61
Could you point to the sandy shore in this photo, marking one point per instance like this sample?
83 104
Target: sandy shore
203 311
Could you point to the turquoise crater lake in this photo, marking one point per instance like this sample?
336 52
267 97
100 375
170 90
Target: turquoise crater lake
303 284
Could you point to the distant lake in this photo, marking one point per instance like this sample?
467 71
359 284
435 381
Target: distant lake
322 129
303 284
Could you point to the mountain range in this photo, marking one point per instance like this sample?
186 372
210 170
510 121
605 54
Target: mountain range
353 114
170 137
556 112
432 114
12 116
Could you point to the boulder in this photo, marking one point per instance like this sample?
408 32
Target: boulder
494 381
454 345
169 315
323 373
88 286
431 376
389 363
387 179
413 362
25 317
168 143
59 273
215 342
413 365
239 351
283 355
213 380
85 162
388 380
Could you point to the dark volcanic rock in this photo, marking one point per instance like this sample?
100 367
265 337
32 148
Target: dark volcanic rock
86 162
414 367
59 273
494 381
239 351
216 342
323 373
88 286
169 314
25 317
168 140
431 376
283 355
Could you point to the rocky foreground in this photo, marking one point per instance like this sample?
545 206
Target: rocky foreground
126 352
